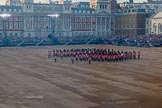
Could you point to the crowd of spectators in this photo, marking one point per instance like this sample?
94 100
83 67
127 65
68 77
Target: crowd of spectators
140 40
14 41
77 39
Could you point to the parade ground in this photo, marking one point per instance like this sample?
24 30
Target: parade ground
28 79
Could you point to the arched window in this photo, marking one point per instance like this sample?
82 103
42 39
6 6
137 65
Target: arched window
159 28
154 28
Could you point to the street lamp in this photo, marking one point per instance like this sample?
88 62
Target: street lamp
4 16
53 17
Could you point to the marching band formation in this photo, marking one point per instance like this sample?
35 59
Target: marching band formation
94 55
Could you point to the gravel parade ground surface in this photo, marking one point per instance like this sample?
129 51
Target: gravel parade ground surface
28 79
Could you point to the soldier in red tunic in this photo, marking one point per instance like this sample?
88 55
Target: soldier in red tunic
89 59
139 54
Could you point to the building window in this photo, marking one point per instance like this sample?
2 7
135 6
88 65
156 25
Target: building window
103 19
80 26
16 26
154 28
107 19
66 26
98 19
121 26
88 19
29 35
130 26
159 28
1 25
89 26
93 19
103 26
10 25
75 26
84 26
147 22
84 19
81 19
94 26
125 26
10 34
98 26
20 26
107 26
105 6
16 34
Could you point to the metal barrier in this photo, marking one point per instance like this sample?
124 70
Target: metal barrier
20 43
37 44
89 41
68 42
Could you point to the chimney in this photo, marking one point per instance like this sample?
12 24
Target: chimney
149 1
130 1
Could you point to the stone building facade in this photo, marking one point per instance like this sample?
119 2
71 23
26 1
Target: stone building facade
154 24
86 21
74 18
130 22
14 25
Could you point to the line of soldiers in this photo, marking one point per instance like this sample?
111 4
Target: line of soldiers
93 54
